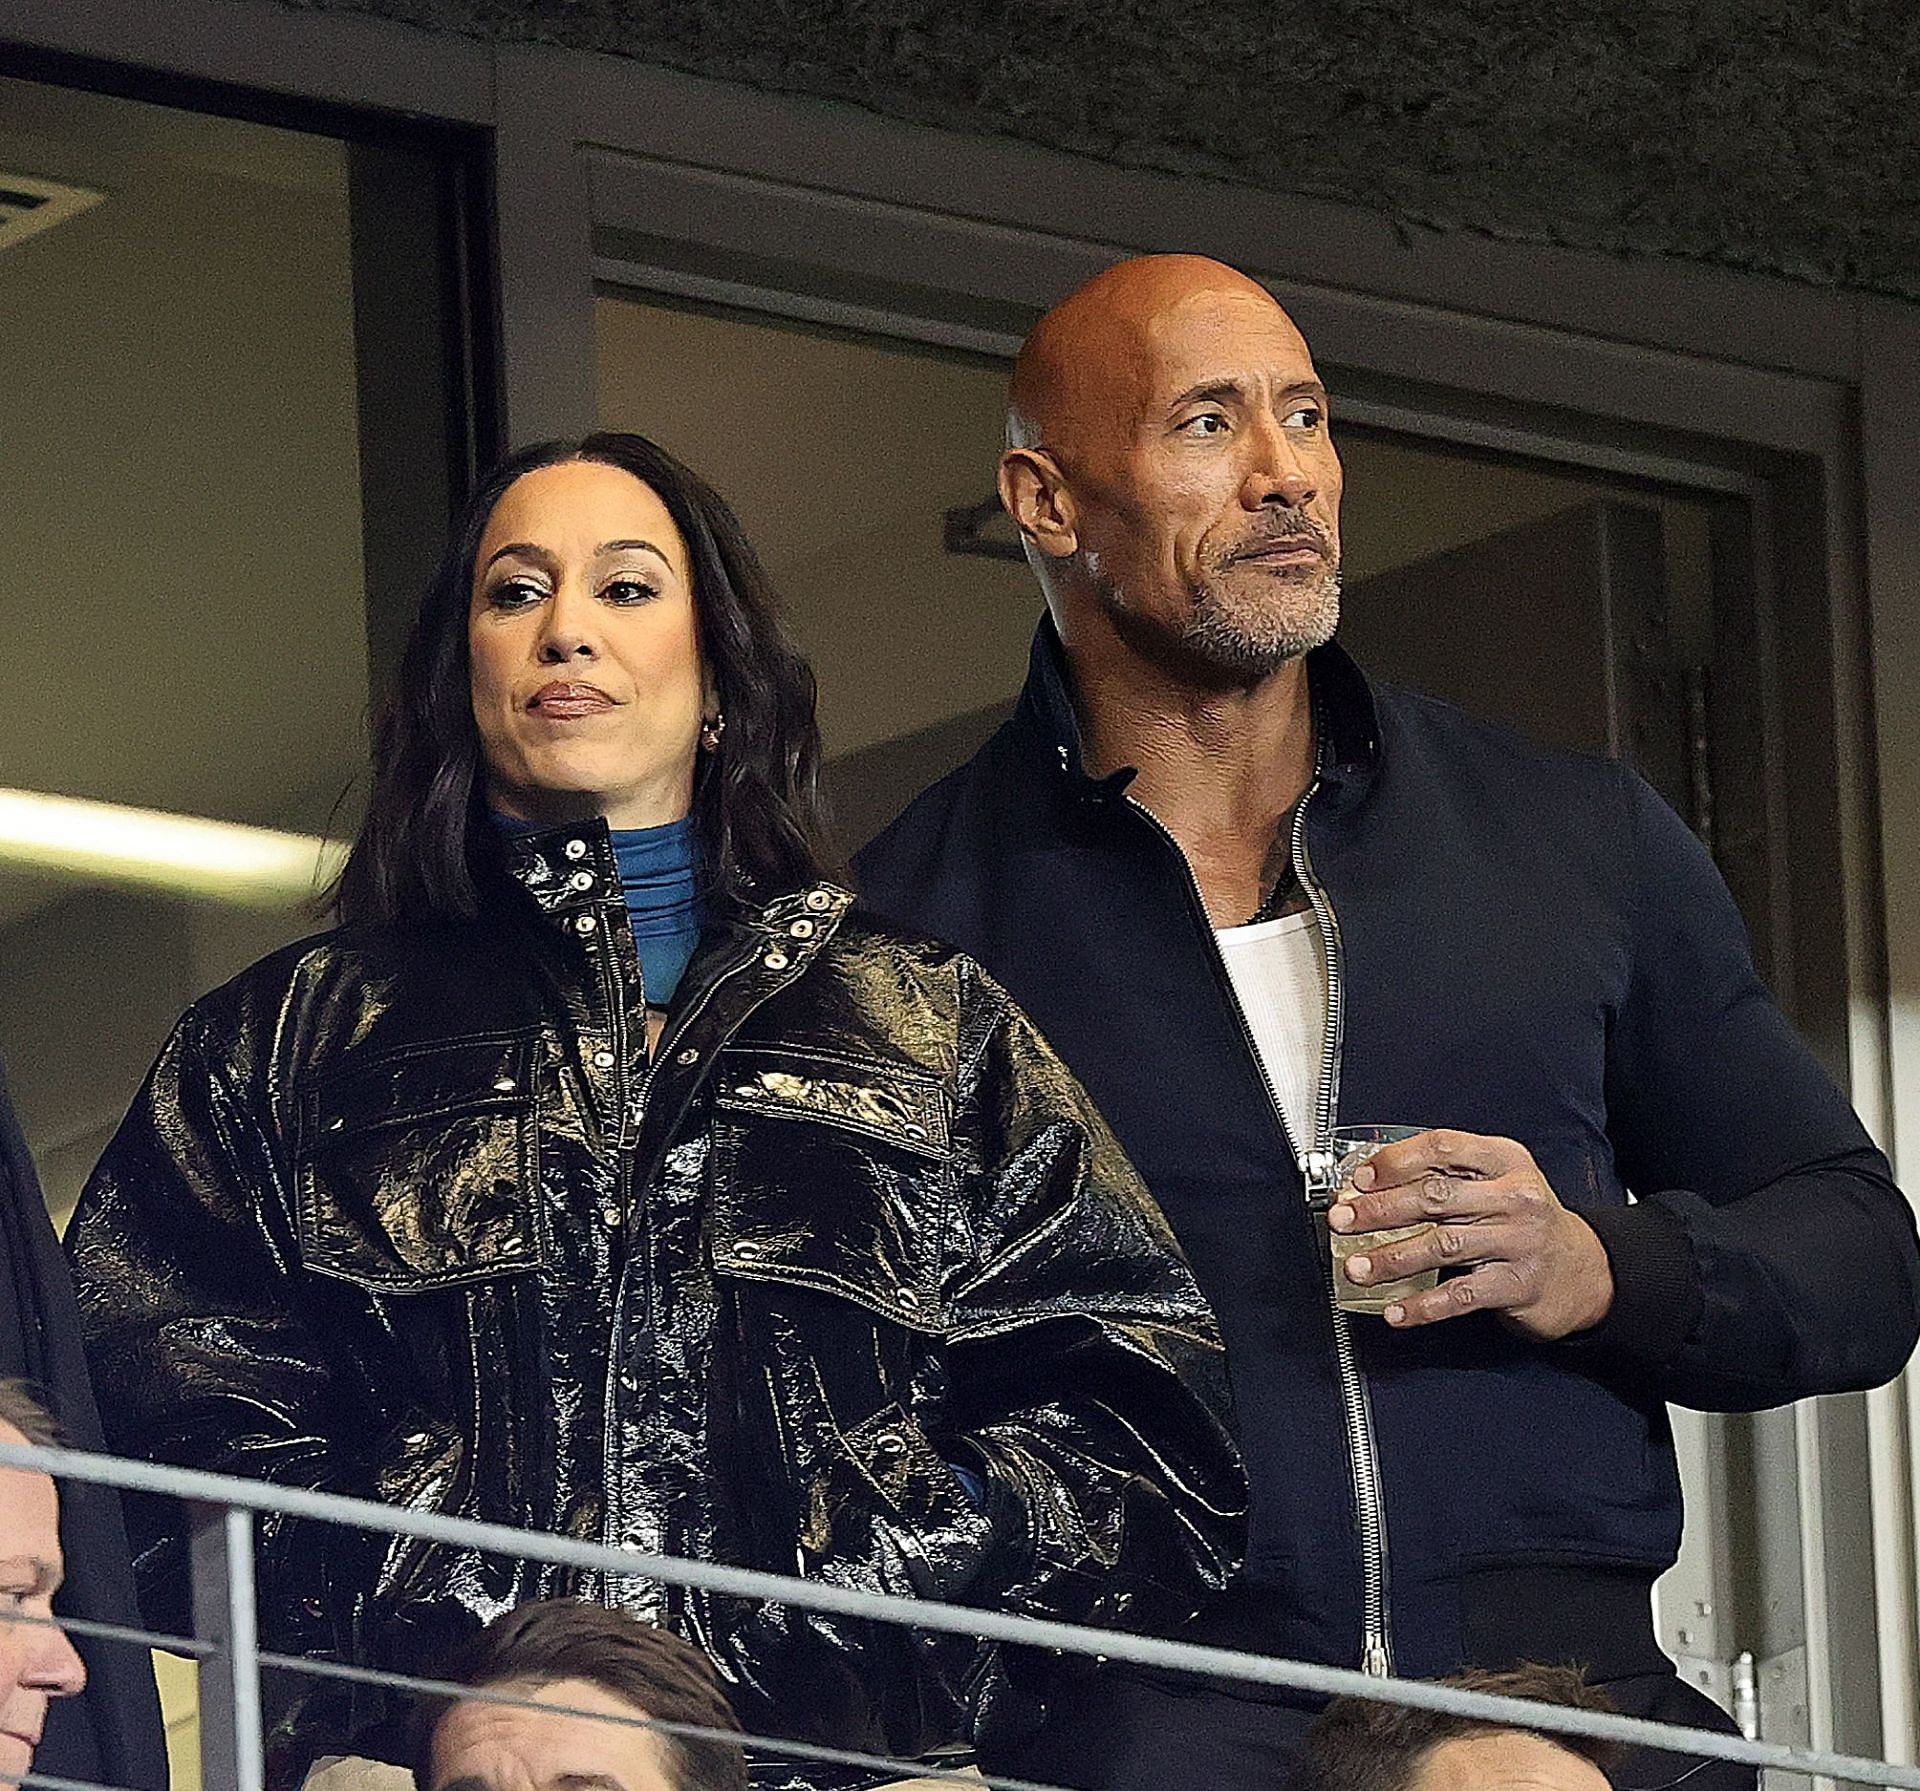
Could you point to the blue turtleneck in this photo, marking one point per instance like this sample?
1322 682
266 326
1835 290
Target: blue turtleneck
663 904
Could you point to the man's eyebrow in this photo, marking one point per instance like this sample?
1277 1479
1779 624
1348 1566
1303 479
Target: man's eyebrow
1210 388
45 1575
1235 390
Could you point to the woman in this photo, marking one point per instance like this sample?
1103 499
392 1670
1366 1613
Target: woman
606 1172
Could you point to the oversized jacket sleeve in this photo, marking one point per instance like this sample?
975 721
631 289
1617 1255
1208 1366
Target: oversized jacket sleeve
1770 1256
1082 1400
1087 1375
198 1337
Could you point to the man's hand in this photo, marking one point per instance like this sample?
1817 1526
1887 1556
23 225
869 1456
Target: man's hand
1539 1266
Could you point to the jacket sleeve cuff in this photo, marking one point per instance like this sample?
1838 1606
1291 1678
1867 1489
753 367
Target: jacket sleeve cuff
1656 1293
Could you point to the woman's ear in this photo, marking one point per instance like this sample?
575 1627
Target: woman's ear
1034 493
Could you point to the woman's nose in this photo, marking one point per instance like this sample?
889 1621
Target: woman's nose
569 631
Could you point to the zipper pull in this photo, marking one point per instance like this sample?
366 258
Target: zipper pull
1374 1661
1321 1169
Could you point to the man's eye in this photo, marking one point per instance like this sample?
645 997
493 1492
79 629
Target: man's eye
1305 416
1208 422
629 591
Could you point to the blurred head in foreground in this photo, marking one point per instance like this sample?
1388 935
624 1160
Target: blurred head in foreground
595 1677
1360 1745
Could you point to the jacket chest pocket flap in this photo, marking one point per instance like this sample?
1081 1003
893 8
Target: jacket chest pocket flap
418 1170
833 1174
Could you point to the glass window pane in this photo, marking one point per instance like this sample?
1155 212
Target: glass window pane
843 456
207 466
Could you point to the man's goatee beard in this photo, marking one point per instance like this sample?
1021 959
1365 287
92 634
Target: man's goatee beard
1263 641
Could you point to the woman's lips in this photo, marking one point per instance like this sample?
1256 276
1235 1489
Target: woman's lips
566 702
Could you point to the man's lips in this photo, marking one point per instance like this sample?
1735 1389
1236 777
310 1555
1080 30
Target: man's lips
564 701
1284 552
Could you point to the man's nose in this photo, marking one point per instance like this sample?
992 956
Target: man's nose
57 1668
1274 472
570 627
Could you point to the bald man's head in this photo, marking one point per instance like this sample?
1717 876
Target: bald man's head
1085 356
1169 465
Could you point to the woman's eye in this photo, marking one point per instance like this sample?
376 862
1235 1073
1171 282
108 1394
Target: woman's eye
630 590
515 593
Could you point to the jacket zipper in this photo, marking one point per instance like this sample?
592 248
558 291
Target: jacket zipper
1317 1163
1369 1506
633 1111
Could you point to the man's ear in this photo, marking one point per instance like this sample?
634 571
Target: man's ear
1035 495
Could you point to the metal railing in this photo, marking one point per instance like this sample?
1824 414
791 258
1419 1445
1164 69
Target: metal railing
227 1645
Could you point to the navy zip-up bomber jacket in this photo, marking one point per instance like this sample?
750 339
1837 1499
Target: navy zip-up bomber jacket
1533 946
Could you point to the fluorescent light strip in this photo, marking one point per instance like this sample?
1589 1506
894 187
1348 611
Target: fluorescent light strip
104 842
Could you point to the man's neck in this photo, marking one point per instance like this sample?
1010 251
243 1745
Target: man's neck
1219 765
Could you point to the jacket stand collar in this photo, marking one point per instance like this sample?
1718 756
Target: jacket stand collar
571 876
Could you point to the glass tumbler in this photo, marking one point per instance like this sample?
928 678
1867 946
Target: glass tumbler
1352 1146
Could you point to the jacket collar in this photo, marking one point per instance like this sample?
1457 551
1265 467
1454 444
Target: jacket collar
572 879
572 870
571 876
1343 701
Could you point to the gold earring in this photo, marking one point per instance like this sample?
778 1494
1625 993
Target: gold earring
711 728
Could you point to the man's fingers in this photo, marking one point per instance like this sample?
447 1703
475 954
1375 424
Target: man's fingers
1433 1196
1439 1247
1494 1287
1441 1152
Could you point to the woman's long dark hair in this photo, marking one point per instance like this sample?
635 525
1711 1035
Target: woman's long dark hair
422 850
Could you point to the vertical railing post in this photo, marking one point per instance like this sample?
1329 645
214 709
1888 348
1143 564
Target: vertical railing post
224 1617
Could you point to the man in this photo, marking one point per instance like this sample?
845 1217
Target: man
112 1735
596 1676
1449 927
1359 1745
37 1662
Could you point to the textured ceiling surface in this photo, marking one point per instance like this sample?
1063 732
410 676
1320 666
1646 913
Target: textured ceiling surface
1775 135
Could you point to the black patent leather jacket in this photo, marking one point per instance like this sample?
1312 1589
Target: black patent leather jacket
409 1214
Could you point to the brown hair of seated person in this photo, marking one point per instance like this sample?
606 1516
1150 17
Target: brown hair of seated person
20 1410
661 1676
1359 1744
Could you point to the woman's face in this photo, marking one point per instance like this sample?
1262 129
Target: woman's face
588 685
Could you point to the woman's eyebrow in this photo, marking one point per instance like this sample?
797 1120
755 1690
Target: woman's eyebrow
607 547
526 550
